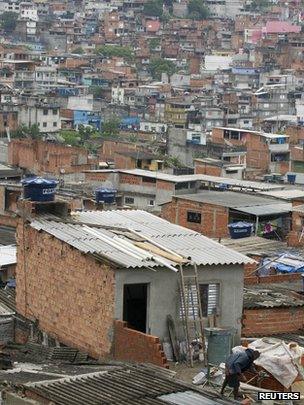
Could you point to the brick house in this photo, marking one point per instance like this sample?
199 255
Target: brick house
137 160
45 157
210 212
144 189
221 167
272 310
265 152
81 276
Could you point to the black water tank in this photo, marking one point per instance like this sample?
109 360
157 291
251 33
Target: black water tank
39 189
106 195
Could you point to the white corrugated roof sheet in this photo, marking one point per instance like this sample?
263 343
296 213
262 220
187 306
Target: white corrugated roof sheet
88 236
8 255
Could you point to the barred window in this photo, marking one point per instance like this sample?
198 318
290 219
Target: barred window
209 294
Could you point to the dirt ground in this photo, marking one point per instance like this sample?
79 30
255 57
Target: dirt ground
185 372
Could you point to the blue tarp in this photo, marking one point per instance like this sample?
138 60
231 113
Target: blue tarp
295 265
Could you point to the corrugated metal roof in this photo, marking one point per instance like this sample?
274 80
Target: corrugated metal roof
265 210
5 311
187 398
270 297
8 255
288 194
229 199
104 242
126 385
244 184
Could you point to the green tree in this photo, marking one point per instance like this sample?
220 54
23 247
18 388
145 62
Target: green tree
70 137
96 91
158 66
153 8
8 21
24 131
79 50
85 132
154 43
111 127
197 10
112 50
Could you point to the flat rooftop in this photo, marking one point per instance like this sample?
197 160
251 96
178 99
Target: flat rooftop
247 203
208 180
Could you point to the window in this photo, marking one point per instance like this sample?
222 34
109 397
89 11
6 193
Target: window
129 200
195 217
235 135
55 111
209 296
266 105
54 124
44 124
149 179
45 111
181 186
151 203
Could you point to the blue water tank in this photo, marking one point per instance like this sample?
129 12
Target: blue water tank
239 230
39 189
291 178
106 195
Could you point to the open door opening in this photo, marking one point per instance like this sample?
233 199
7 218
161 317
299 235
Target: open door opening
135 306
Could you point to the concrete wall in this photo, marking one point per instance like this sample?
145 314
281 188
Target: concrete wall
163 295
178 147
3 152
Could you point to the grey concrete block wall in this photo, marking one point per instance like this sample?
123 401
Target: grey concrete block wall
164 299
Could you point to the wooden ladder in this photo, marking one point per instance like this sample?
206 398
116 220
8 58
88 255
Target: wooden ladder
191 311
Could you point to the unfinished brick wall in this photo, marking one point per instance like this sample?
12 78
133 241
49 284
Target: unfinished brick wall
214 218
204 168
274 278
109 148
131 345
7 220
40 156
297 222
258 155
70 294
164 185
97 176
123 162
295 133
268 321
125 178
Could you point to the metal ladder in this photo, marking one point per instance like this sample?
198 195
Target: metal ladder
191 311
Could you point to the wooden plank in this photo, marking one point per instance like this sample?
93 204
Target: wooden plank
173 338
154 249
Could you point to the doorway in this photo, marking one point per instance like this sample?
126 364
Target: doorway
135 306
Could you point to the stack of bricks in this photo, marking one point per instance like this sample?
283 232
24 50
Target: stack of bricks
134 346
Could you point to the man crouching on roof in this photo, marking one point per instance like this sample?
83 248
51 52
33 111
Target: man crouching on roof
235 365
